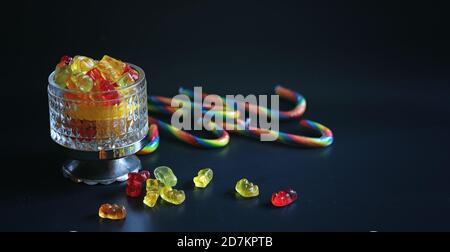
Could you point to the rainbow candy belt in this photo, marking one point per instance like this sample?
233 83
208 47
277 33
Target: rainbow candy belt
159 104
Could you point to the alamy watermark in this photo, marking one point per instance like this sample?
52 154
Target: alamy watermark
208 112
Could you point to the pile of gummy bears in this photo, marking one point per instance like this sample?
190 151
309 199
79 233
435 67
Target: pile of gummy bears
84 74
165 180
107 76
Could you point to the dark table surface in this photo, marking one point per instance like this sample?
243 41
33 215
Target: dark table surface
376 74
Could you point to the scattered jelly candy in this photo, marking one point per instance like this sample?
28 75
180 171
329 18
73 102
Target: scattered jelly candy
112 69
171 195
284 197
152 195
82 81
203 177
81 64
134 73
134 183
165 175
246 189
125 80
113 212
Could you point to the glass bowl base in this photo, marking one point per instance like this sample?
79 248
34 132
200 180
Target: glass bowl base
92 172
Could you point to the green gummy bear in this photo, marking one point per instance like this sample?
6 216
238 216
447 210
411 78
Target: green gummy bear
61 75
165 175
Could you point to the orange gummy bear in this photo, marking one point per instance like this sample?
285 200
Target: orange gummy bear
113 212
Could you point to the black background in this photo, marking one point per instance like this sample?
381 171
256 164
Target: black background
376 73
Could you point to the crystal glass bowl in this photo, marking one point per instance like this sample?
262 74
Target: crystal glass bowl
110 125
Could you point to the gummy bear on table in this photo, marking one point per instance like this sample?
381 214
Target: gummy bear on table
134 182
203 178
165 175
247 189
284 197
173 196
162 185
152 195
113 212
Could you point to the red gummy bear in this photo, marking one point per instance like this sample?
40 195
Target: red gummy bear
64 61
134 182
145 174
133 73
95 74
284 197
108 92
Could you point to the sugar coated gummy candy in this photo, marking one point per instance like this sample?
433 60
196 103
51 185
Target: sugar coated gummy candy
204 176
171 195
152 195
134 183
284 197
165 175
113 212
246 189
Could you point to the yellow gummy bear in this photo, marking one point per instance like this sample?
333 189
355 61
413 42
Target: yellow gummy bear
83 82
125 80
246 189
152 195
173 196
203 177
112 69
81 64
